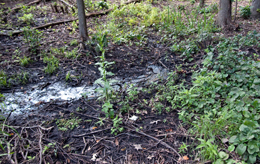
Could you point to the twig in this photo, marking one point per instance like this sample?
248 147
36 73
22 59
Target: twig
159 54
9 153
163 143
162 135
162 64
66 3
86 143
38 126
85 134
40 145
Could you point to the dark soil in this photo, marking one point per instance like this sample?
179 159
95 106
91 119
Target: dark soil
140 142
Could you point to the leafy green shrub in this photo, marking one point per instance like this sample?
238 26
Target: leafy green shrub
223 100
3 79
32 37
245 11
65 124
52 64
26 18
24 61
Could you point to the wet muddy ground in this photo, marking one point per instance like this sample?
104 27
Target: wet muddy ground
49 131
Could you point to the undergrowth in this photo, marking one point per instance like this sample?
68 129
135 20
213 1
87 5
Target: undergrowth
222 105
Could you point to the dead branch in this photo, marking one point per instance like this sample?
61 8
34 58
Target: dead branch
66 3
40 145
85 145
38 126
85 134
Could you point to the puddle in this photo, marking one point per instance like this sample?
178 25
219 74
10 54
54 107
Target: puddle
23 102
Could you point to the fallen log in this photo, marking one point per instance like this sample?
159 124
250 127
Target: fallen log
67 21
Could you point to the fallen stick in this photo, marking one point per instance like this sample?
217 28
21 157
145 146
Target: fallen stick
85 134
66 3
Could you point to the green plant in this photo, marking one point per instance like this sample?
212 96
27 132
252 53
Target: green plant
246 143
65 124
3 79
106 90
24 61
245 11
26 18
208 150
100 122
107 107
73 42
32 37
72 53
68 76
52 64
116 122
23 77
102 5
183 148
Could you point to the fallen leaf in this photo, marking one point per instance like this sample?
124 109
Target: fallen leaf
138 146
38 103
133 118
168 130
144 112
68 160
89 63
224 140
61 114
97 141
94 156
123 149
152 122
116 142
150 157
94 127
185 157
41 77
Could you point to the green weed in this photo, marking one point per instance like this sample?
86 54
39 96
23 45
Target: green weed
26 18
52 64
65 124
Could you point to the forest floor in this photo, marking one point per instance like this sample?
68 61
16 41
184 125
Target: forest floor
78 131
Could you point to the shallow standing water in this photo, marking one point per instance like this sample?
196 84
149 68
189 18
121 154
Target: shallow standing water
22 102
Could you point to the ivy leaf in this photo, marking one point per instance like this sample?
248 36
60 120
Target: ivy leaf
241 148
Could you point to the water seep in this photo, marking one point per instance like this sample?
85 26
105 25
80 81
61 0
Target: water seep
22 102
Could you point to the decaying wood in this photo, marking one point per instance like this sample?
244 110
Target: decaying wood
28 4
67 21
66 3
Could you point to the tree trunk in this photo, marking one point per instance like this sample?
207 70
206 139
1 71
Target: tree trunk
82 20
202 3
224 14
254 8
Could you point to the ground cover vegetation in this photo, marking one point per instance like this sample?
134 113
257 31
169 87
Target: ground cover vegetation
205 109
